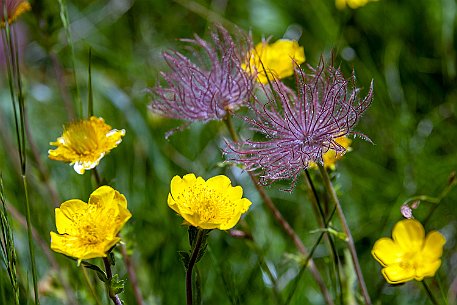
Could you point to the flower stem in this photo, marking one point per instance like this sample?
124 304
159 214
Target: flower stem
429 293
193 259
114 297
350 241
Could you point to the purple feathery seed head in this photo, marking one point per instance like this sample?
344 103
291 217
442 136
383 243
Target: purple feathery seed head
210 87
298 127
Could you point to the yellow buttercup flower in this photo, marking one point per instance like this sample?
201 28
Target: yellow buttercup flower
410 254
341 4
84 143
14 8
211 204
89 230
277 60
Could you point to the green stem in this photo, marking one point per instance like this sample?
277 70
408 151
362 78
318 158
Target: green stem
15 86
91 288
66 24
350 241
193 259
30 239
323 223
114 297
429 293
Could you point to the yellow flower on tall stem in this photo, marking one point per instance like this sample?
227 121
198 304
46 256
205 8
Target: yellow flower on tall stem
89 230
84 143
14 8
276 60
410 255
211 204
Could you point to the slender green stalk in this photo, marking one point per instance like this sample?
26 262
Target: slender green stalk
7 247
66 24
90 98
308 258
30 239
350 241
285 226
443 294
114 297
323 223
429 293
17 98
91 288
192 261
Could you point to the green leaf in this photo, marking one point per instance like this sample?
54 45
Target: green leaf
185 258
192 231
116 285
100 273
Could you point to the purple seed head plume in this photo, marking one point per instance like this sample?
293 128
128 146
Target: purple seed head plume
212 85
298 127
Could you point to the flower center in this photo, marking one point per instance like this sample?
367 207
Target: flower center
82 137
412 261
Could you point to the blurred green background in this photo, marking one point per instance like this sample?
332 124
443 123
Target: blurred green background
407 47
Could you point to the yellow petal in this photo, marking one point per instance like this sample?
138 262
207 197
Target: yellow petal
220 183
433 246
387 252
69 213
178 184
244 204
394 274
103 196
409 235
172 203
427 269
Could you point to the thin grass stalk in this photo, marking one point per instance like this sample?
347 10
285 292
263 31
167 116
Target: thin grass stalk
284 224
30 238
442 292
350 241
430 295
311 253
6 38
15 85
90 98
66 24
7 247
91 288
252 244
63 87
323 223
